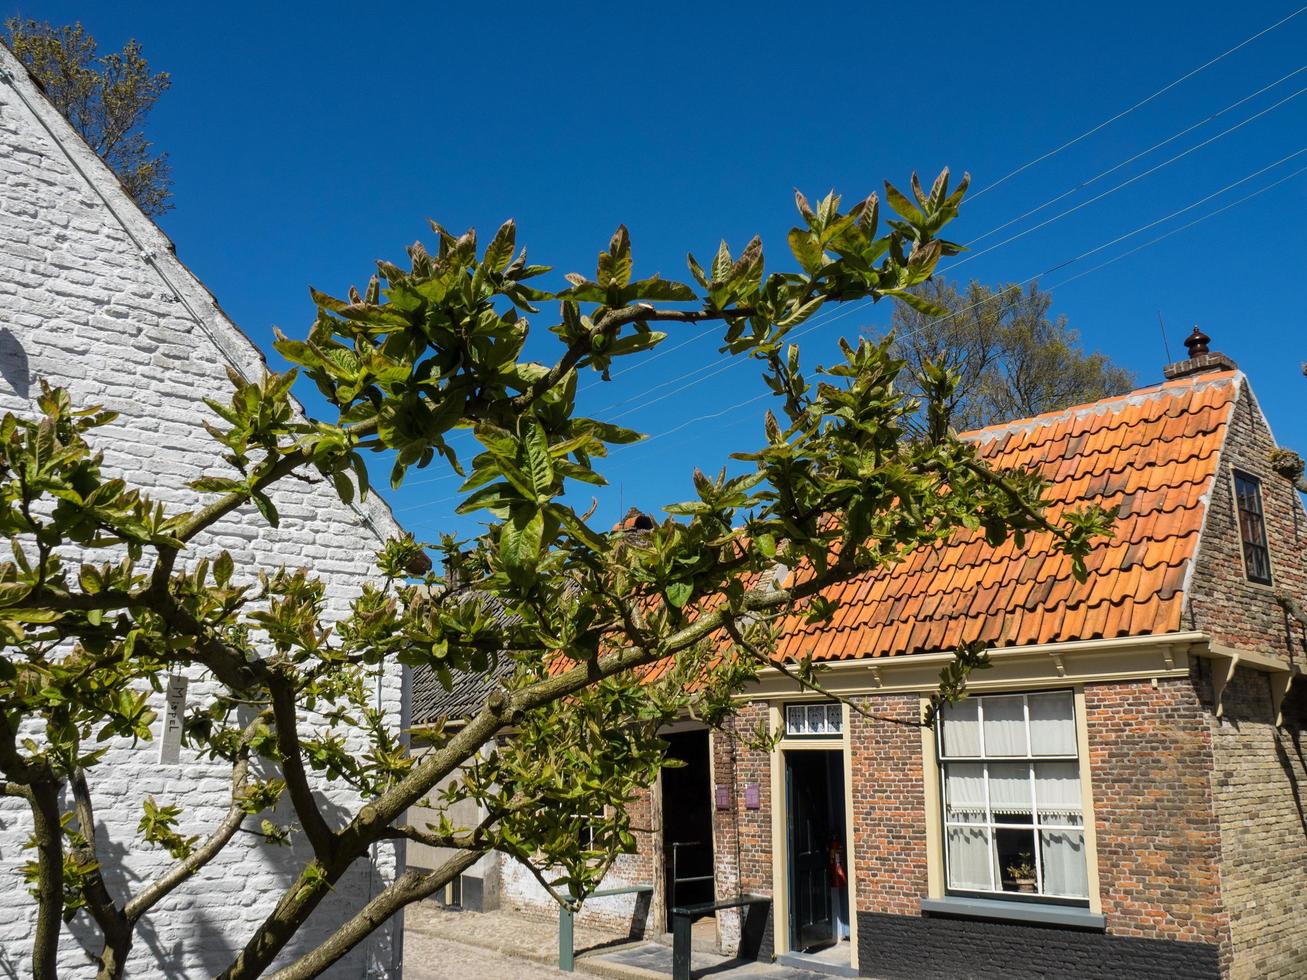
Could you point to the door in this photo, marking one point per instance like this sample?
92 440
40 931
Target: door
810 828
687 822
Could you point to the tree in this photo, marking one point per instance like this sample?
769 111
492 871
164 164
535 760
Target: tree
1013 361
106 98
851 480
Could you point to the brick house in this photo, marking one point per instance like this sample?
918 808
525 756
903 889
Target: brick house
1124 793
92 298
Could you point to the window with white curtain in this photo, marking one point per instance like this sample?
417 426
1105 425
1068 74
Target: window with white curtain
1013 812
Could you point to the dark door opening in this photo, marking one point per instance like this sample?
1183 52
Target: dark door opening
687 822
817 838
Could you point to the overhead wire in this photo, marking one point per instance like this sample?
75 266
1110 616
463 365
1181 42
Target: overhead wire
993 296
696 338
1125 183
710 370
1081 256
1138 105
1060 265
1137 156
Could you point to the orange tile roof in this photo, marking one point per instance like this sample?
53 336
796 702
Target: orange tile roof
1153 452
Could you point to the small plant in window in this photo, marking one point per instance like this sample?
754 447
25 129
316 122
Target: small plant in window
1022 872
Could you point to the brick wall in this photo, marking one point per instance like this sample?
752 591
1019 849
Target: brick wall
520 890
80 306
1222 601
1158 844
741 837
1259 789
889 807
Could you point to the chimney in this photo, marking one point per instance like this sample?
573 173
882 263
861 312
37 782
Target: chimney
635 521
1200 359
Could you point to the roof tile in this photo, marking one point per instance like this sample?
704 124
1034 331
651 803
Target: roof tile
1152 452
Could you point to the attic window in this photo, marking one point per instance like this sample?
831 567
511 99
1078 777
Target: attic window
1252 528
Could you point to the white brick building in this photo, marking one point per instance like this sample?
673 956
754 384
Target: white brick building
93 299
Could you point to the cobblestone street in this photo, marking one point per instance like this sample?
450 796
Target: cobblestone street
428 957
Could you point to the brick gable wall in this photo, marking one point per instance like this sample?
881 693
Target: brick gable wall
1221 601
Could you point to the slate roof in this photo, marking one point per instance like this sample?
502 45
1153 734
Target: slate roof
1153 452
430 701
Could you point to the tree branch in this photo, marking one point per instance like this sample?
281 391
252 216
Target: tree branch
320 835
160 887
406 889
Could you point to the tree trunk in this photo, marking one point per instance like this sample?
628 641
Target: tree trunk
48 834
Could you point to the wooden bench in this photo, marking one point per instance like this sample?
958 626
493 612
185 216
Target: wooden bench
683 916
566 923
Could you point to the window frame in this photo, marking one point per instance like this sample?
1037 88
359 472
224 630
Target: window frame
1236 477
827 706
991 825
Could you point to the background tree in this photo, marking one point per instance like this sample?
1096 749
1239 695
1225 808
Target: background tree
856 477
105 97
1012 360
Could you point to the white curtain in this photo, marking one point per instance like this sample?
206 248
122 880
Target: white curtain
1009 792
961 723
1057 788
1063 856
1052 724
1005 726
964 792
968 858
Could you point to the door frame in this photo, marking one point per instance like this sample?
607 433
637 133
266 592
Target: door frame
780 823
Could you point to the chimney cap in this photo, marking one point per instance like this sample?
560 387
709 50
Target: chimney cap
1201 360
1196 343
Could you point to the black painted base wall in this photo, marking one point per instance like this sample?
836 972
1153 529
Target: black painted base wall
756 936
905 947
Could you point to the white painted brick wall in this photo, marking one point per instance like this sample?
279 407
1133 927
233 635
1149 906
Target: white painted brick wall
81 307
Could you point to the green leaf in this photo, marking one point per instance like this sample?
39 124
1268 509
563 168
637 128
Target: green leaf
807 250
500 250
660 289
539 465
267 509
918 303
902 205
223 568
678 593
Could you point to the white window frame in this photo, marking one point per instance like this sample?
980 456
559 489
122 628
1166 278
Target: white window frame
990 824
829 709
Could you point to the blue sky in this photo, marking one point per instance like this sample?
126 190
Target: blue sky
308 140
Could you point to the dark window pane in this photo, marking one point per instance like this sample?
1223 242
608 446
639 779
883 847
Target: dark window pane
1252 527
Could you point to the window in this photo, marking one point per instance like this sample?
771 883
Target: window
1252 528
813 719
1013 813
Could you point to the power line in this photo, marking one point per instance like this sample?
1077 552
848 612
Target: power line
1083 255
1142 102
696 338
1142 153
1183 227
1127 182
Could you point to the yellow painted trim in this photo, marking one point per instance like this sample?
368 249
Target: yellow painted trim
849 859
1087 801
804 744
934 803
780 898
1013 669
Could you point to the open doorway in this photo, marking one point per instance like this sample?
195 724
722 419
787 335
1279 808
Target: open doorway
817 839
687 822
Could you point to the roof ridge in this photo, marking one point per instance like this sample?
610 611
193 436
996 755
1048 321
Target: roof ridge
1111 402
